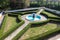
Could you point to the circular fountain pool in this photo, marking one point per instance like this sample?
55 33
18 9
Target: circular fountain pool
35 17
30 17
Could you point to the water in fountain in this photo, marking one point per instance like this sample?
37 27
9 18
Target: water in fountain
33 17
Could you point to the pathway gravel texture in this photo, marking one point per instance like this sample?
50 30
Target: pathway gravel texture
1 19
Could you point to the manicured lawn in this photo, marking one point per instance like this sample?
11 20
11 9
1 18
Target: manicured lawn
33 31
11 21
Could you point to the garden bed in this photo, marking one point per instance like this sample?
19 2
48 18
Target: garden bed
10 22
31 32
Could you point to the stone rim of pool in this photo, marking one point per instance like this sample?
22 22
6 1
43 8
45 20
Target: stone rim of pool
38 18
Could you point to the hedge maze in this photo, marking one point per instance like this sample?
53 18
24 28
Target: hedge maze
48 15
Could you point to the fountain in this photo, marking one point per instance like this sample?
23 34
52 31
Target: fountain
36 16
33 17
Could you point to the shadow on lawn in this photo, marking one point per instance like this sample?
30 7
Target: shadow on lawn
37 25
44 23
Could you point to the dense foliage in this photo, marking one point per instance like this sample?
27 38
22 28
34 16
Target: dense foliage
4 4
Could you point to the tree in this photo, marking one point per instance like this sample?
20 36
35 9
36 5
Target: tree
19 4
4 4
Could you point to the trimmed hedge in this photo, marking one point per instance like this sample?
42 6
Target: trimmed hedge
3 25
44 35
22 13
54 18
56 12
11 30
40 22
50 17
25 29
49 14
21 32
41 36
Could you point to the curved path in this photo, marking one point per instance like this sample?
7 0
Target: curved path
12 35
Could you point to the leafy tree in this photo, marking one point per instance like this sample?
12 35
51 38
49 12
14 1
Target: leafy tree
4 4
16 4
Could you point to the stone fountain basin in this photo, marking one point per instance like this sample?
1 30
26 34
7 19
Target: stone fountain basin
37 17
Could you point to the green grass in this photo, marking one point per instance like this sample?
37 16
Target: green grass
3 25
10 22
38 30
49 14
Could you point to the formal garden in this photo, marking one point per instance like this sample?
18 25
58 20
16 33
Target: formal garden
13 21
16 26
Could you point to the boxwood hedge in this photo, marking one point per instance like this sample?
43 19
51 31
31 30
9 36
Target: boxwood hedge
25 29
41 36
44 35
12 29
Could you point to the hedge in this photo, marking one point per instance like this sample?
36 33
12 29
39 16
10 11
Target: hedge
21 32
58 18
49 14
50 17
55 12
25 29
3 25
41 36
44 35
40 22
22 13
11 30
55 20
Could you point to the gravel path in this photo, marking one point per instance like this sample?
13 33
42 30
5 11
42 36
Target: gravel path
1 19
